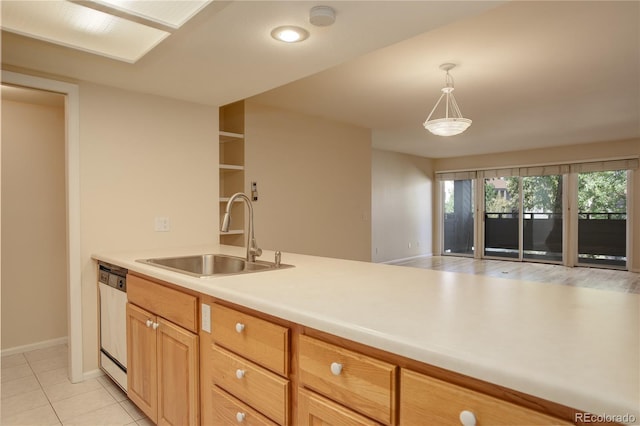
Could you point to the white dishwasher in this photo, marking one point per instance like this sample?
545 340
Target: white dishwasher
112 282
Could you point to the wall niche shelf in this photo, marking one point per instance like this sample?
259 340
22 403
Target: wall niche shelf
231 165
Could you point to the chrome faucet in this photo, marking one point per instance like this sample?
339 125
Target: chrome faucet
253 250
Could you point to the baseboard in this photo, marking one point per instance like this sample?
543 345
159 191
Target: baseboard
93 374
406 259
34 346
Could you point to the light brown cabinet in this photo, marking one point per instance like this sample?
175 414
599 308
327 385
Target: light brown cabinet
142 371
263 370
256 339
425 400
353 379
268 393
314 409
245 365
162 357
229 410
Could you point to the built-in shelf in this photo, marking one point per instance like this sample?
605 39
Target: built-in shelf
233 232
231 167
231 146
230 136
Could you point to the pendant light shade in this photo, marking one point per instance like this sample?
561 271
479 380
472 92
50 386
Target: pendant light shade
453 123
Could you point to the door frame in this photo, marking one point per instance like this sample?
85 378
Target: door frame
72 183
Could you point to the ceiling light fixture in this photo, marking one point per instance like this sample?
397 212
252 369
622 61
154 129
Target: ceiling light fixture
290 34
449 125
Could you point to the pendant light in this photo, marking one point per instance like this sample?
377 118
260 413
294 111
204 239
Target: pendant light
453 123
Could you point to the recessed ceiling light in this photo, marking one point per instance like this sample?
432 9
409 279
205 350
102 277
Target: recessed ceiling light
290 34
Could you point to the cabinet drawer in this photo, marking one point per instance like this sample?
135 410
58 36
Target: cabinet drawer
173 305
425 400
314 409
257 387
256 339
227 410
363 383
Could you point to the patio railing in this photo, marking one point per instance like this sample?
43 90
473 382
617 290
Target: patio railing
599 233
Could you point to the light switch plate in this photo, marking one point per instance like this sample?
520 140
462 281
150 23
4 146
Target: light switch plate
162 224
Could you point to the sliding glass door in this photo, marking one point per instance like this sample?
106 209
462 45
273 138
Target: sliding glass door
502 217
542 218
523 217
602 218
571 214
458 228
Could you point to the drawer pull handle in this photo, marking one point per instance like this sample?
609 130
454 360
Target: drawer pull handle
240 417
336 368
467 418
239 327
239 373
149 323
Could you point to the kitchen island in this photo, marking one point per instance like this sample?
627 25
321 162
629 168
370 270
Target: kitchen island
573 346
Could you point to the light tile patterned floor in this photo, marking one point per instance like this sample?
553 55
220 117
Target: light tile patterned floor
602 279
36 391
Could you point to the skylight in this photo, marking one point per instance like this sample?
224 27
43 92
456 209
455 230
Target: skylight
126 34
170 13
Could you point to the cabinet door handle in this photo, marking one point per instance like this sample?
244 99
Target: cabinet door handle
336 368
239 373
240 417
149 323
155 325
239 327
467 418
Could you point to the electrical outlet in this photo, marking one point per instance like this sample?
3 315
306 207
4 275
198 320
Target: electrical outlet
205 312
162 224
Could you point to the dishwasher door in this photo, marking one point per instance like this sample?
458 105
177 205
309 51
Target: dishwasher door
113 333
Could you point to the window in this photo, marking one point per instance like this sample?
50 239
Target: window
526 213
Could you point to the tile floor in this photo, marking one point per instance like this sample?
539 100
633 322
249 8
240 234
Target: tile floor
36 391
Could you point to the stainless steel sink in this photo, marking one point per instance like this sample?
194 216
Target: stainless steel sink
205 265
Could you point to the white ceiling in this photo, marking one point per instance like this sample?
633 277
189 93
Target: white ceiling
529 74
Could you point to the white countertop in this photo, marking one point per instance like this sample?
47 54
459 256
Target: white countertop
574 346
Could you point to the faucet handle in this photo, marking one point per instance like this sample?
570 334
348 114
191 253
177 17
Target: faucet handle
255 251
278 259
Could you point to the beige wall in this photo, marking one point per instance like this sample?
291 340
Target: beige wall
142 156
314 181
571 153
401 200
34 288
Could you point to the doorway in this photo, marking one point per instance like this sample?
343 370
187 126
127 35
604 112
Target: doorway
34 233
72 199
